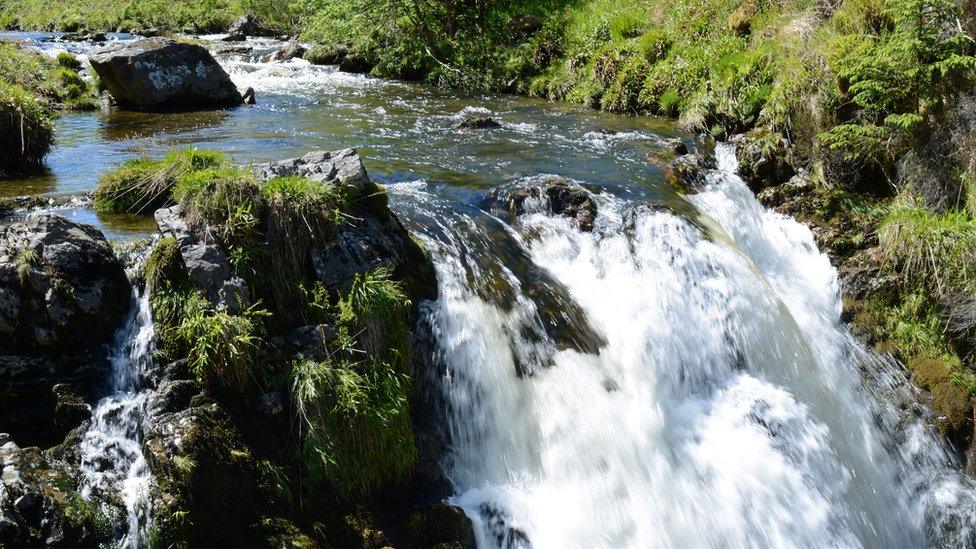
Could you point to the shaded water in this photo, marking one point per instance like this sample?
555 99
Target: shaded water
721 401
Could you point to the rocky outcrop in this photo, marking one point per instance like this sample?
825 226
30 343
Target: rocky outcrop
41 506
343 167
207 264
61 286
550 194
764 159
164 74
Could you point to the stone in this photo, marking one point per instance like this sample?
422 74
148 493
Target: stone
343 167
477 123
354 63
686 173
439 524
61 286
764 159
291 50
551 194
164 74
270 404
246 25
248 97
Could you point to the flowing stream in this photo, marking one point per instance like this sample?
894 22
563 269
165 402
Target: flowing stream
112 462
678 377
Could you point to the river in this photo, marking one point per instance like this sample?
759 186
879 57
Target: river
724 404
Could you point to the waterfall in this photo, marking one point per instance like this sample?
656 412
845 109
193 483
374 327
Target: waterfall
112 461
727 407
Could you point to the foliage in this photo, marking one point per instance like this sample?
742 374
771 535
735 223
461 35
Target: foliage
26 130
354 407
221 345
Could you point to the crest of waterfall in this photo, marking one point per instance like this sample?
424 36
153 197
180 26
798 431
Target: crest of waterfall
728 407
112 461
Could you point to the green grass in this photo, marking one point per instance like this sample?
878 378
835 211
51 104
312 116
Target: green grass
355 407
142 186
26 130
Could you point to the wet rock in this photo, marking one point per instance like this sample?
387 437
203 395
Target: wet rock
163 74
551 194
292 50
441 525
355 63
686 174
763 159
343 167
248 97
61 286
71 406
205 473
676 146
244 26
477 123
327 55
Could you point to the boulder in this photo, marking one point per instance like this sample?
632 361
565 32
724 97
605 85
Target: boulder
291 50
327 55
355 63
551 194
441 525
244 26
686 174
477 123
61 286
164 74
207 264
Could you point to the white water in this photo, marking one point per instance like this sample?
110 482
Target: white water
726 409
112 461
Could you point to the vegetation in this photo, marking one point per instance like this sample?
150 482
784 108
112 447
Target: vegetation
353 407
142 186
32 87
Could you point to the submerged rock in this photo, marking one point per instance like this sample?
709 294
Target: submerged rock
61 286
164 74
477 123
551 194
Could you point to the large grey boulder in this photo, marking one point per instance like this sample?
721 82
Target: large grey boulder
163 74
61 286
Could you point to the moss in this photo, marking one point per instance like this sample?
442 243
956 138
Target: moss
954 412
165 266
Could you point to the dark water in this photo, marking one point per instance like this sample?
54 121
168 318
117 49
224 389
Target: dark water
403 132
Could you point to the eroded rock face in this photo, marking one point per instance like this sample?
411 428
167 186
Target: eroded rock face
551 194
163 74
61 286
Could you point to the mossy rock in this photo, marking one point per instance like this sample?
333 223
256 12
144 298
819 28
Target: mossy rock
954 411
165 265
928 373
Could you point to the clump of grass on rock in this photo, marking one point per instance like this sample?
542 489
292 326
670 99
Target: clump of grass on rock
142 186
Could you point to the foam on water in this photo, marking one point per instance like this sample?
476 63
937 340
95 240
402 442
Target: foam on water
726 408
